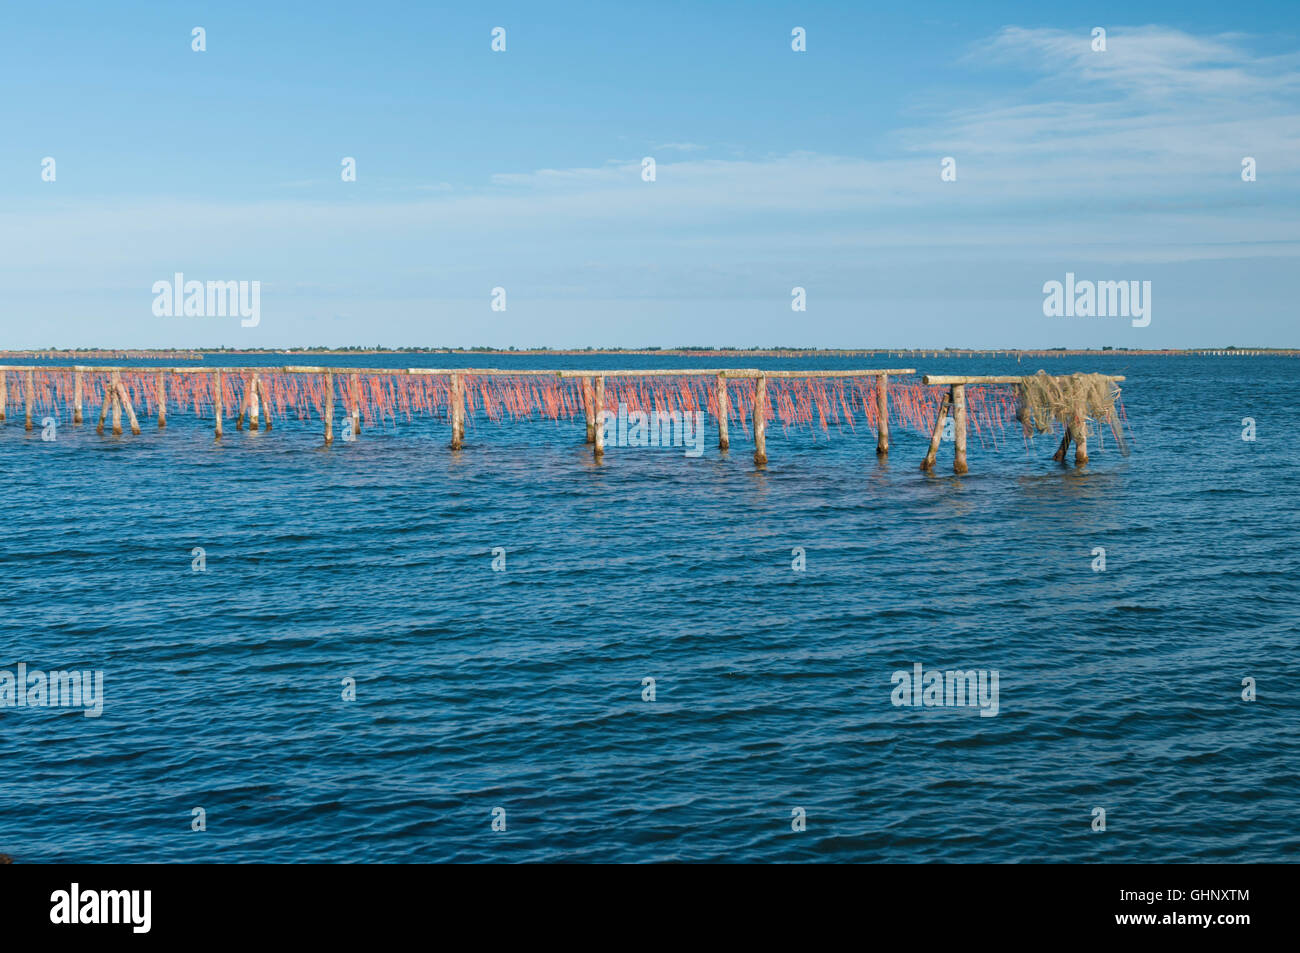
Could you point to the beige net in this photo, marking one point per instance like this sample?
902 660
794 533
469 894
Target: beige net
1044 400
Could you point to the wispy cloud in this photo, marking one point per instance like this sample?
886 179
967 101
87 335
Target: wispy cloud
1151 63
1130 156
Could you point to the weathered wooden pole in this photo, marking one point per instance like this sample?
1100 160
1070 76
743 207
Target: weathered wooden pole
760 420
76 397
4 392
115 395
244 398
1079 427
329 408
724 408
103 408
598 445
937 435
124 400
959 428
882 412
29 398
356 406
254 405
587 399
261 389
456 410
462 402
218 384
160 389
1059 456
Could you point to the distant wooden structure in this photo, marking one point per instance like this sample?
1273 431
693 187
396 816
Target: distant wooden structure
256 406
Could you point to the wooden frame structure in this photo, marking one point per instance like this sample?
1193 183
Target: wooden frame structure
955 400
591 386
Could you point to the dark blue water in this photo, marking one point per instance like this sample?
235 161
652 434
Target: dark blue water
522 689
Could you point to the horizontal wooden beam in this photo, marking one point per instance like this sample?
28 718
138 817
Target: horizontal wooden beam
733 373
727 372
948 380
887 372
475 371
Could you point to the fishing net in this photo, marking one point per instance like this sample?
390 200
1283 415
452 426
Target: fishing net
816 404
1043 401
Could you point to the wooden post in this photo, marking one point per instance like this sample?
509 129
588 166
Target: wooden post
115 396
30 398
461 402
598 449
261 389
1059 456
103 408
254 405
216 401
928 462
4 392
356 405
329 408
959 428
124 400
760 421
882 412
587 399
1079 426
161 393
456 410
724 408
243 403
76 397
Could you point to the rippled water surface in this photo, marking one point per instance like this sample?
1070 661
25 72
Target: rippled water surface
522 689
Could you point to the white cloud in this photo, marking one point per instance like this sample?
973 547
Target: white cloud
1128 156
1146 62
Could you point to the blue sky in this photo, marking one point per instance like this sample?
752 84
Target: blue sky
775 169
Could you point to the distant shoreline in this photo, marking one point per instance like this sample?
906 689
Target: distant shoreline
197 354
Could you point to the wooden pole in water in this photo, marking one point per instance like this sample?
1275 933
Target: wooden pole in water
1079 426
928 462
329 408
882 412
254 405
76 397
456 411
4 392
461 402
124 400
587 399
161 389
356 406
724 409
216 402
760 421
1059 456
959 428
30 398
103 409
115 396
261 389
598 449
